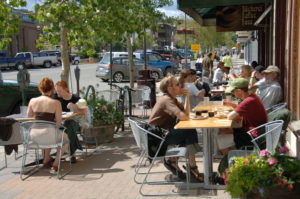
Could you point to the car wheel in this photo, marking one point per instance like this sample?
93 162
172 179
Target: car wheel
168 71
155 75
47 64
118 77
76 62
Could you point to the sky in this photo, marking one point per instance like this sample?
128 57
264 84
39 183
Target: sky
168 10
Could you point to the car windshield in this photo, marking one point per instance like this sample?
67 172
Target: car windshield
105 59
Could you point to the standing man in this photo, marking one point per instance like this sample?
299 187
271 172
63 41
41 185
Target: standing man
207 66
271 94
227 61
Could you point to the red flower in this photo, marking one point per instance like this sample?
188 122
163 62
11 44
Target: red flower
284 182
290 187
226 182
282 185
275 179
246 162
223 175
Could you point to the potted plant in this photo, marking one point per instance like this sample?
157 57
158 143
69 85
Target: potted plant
264 176
105 117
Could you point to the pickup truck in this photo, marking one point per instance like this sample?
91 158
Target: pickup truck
14 62
41 58
155 60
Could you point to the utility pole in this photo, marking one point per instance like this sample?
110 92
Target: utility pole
185 42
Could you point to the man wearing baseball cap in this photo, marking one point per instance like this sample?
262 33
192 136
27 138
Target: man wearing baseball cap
271 94
257 75
250 110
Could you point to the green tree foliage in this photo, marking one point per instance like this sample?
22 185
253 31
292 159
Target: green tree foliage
208 37
9 22
82 22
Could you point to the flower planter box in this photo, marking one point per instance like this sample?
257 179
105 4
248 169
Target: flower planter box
103 134
278 193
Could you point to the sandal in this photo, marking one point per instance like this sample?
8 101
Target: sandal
194 172
48 163
174 170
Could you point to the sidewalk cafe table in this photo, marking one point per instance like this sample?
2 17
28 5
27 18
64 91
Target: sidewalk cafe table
207 126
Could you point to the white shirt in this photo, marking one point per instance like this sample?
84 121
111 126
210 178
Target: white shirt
218 75
199 60
271 94
261 83
194 92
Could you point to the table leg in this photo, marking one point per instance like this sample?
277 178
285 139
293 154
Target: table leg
207 155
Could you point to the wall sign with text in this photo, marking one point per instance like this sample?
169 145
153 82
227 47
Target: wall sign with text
241 17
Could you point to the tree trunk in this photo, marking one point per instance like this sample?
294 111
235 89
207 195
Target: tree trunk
131 70
64 53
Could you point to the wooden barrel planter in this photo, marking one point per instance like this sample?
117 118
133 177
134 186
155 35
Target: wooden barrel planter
102 133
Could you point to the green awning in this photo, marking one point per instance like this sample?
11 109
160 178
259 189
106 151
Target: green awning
204 11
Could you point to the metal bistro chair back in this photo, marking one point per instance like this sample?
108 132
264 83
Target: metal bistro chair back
171 152
135 131
141 97
276 107
40 134
268 140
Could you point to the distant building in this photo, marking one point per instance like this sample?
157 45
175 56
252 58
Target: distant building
25 40
164 34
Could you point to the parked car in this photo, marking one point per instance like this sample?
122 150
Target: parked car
14 62
156 60
41 58
73 58
11 96
120 69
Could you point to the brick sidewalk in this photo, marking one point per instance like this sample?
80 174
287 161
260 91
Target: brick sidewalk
107 173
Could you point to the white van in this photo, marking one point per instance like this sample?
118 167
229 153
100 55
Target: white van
114 54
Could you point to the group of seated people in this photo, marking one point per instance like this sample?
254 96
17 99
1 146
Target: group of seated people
255 89
49 107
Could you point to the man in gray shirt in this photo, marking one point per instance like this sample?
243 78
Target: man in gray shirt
271 94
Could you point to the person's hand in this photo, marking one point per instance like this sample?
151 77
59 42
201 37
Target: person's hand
185 91
225 102
253 73
72 107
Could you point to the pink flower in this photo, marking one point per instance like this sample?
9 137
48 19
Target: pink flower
247 156
283 149
290 187
246 162
254 133
263 153
226 182
285 181
272 161
104 108
223 175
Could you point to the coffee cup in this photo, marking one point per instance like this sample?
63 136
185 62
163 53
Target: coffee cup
211 113
228 97
206 100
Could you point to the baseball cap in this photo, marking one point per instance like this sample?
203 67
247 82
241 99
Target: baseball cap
259 68
237 83
81 104
271 69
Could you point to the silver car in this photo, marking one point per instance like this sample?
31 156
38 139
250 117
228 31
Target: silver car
120 69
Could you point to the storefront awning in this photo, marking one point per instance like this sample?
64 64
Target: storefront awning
204 11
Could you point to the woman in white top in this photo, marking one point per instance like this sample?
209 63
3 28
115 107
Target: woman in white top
186 80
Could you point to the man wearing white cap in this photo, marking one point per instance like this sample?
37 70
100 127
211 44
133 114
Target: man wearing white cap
271 94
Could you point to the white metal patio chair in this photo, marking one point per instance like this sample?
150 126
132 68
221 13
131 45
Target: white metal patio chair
268 140
276 107
141 98
47 135
171 152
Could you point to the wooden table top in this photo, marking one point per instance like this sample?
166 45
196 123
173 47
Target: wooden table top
212 105
206 123
209 122
64 117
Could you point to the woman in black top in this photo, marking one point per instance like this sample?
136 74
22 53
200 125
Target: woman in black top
68 103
